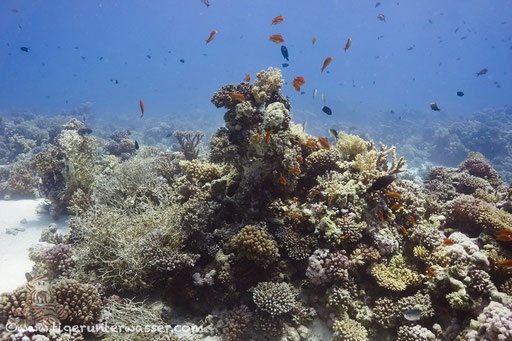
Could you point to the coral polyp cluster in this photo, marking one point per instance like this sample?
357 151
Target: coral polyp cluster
275 231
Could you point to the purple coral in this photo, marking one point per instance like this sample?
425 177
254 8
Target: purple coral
478 167
316 271
58 260
337 264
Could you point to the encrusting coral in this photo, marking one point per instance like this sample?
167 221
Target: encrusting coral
274 228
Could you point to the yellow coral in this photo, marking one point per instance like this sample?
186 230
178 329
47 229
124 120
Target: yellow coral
351 145
266 84
395 276
197 171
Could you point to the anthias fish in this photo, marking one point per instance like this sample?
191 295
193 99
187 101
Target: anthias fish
382 182
396 206
247 77
395 195
277 20
298 82
382 17
267 135
314 40
327 61
347 45
434 106
211 37
324 143
448 242
277 38
141 108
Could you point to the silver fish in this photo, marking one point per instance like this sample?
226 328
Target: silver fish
304 125
334 133
412 314
314 93
323 97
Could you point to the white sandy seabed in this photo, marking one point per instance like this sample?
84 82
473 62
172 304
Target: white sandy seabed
21 218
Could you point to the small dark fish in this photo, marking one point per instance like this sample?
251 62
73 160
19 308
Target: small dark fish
392 111
429 21
170 134
433 106
84 131
24 49
76 47
327 110
333 132
378 38
302 92
100 58
19 27
503 22
148 56
382 182
117 82
412 314
14 10
460 93
410 48
463 38
440 63
286 64
182 61
377 4
482 72
399 117
136 145
204 55
82 57
456 30
284 52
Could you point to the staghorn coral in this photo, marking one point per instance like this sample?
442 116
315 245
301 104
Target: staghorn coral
274 298
255 243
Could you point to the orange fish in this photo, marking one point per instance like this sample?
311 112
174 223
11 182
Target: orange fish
247 77
412 220
256 138
345 236
504 238
347 45
294 171
393 195
327 61
330 197
430 272
277 20
505 231
505 264
206 2
299 160
311 144
323 141
277 38
212 35
238 97
298 82
404 230
314 40
381 17
282 179
267 135
141 108
448 242
315 191
396 206
381 215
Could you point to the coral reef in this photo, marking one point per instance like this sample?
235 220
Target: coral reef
270 230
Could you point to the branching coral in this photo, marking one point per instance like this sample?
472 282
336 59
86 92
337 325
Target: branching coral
81 301
395 276
189 143
346 329
274 298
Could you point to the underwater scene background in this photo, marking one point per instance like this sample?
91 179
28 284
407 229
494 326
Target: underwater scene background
256 170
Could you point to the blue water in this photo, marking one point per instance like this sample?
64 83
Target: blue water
67 38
